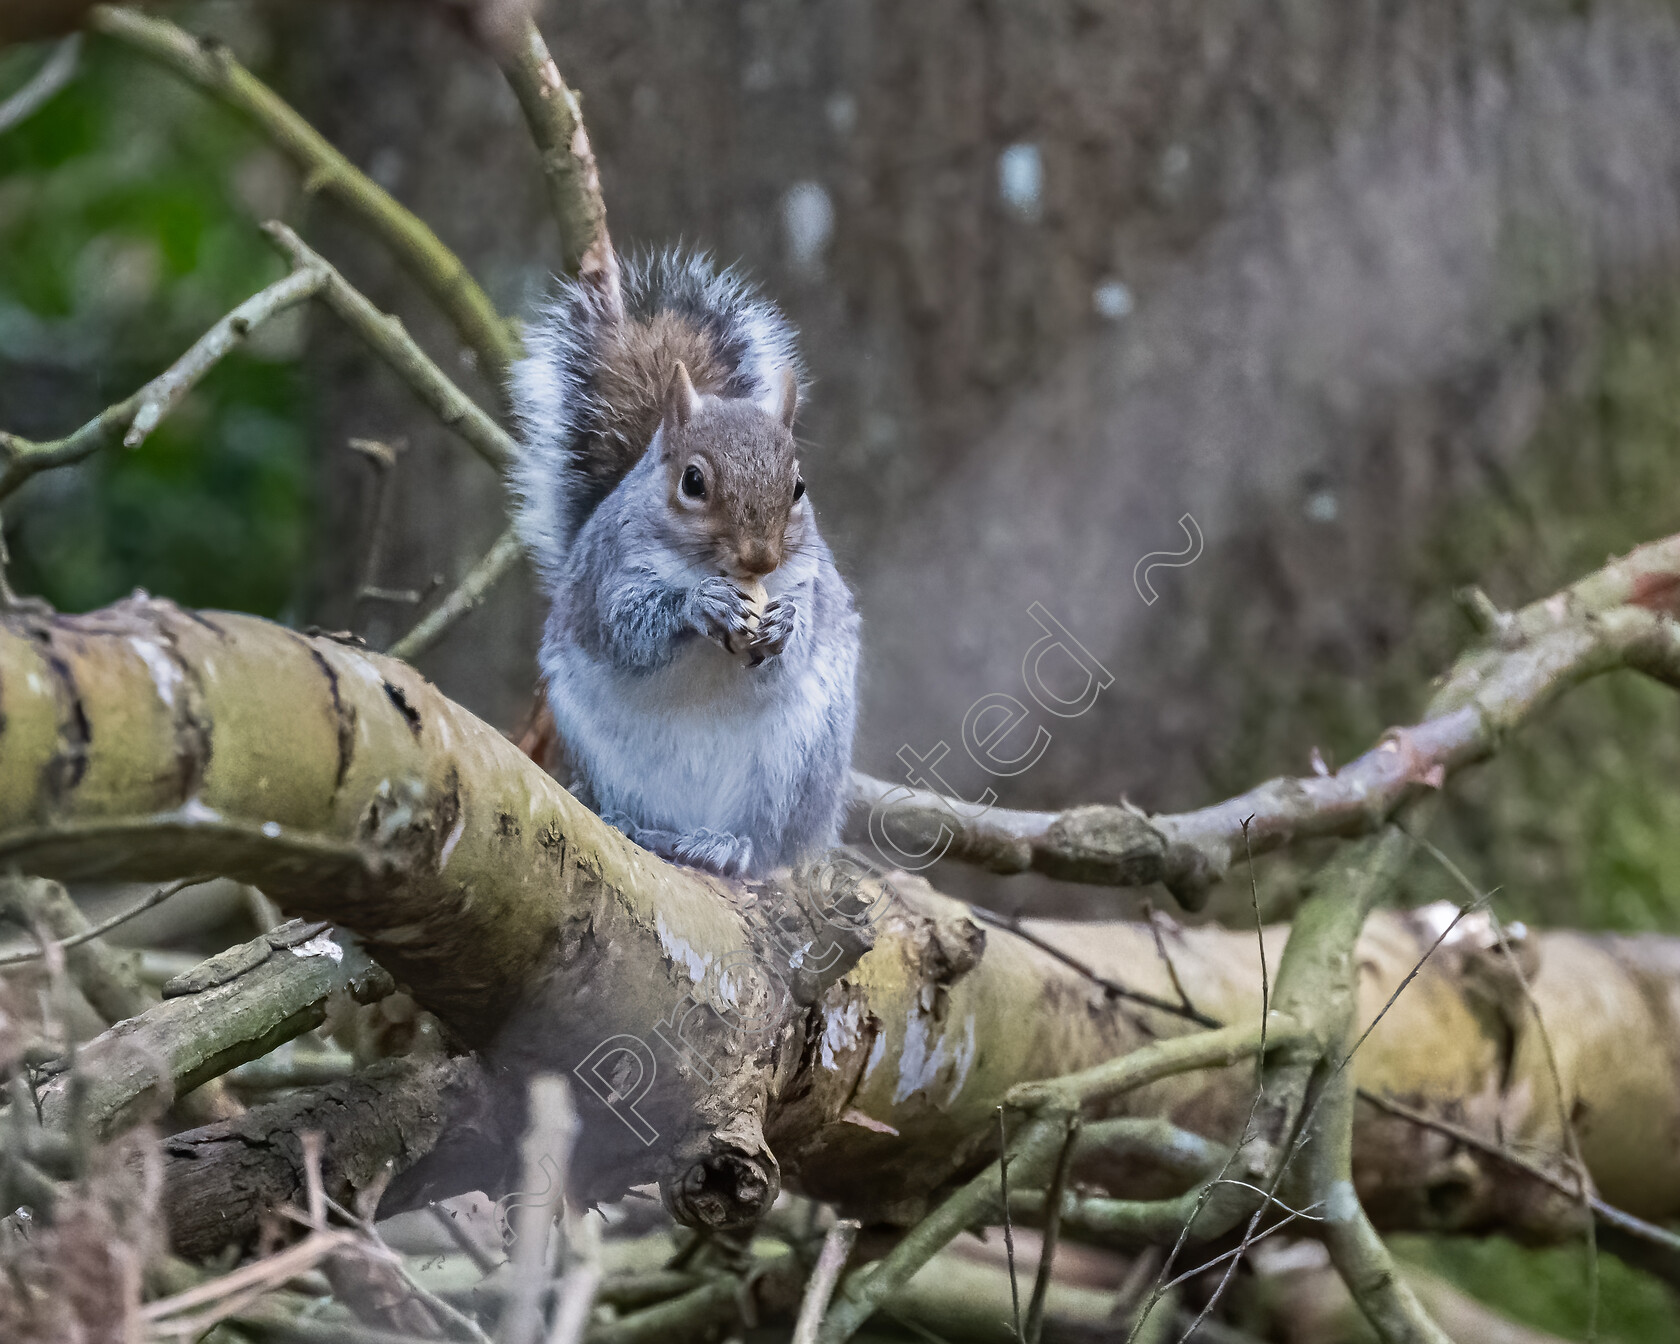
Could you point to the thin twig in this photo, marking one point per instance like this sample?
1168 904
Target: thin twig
1467 908
1008 1222
1273 1199
382 460
1034 1147
1289 1217
1608 1214
1111 987
836 1249
1260 941
164 393
132 419
376 1247
1052 1233
468 1243
1152 918
481 578
1583 1190
268 1273
158 897
391 342
56 71
1161 1285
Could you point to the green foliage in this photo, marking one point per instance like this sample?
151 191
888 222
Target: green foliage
126 229
1547 1289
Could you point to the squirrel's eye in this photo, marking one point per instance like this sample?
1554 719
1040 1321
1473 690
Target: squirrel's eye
693 483
799 490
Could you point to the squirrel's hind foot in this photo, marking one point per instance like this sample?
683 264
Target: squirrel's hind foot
716 851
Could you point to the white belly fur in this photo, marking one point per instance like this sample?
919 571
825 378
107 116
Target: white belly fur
703 742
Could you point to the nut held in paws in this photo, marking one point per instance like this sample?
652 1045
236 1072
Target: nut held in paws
756 598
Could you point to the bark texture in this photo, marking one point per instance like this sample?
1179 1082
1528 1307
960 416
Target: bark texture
221 1179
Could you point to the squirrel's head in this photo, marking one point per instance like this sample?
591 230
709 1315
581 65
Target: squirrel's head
732 477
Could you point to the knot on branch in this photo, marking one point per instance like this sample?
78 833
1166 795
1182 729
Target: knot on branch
732 1183
1493 964
817 922
1105 845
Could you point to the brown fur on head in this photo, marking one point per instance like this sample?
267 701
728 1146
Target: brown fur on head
732 477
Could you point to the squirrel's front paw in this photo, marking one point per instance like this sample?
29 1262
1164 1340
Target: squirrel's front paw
775 629
722 611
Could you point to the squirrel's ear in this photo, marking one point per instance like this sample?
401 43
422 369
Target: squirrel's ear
681 400
787 396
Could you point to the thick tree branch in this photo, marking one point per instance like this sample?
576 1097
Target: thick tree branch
219 1180
555 118
138 740
239 1005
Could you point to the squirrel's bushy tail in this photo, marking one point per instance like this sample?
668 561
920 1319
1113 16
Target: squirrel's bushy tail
589 392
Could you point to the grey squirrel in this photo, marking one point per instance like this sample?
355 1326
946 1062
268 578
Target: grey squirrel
701 648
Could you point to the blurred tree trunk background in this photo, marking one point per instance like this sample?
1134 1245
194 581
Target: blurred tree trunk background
1382 295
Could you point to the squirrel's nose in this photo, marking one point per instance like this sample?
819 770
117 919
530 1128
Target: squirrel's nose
755 559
